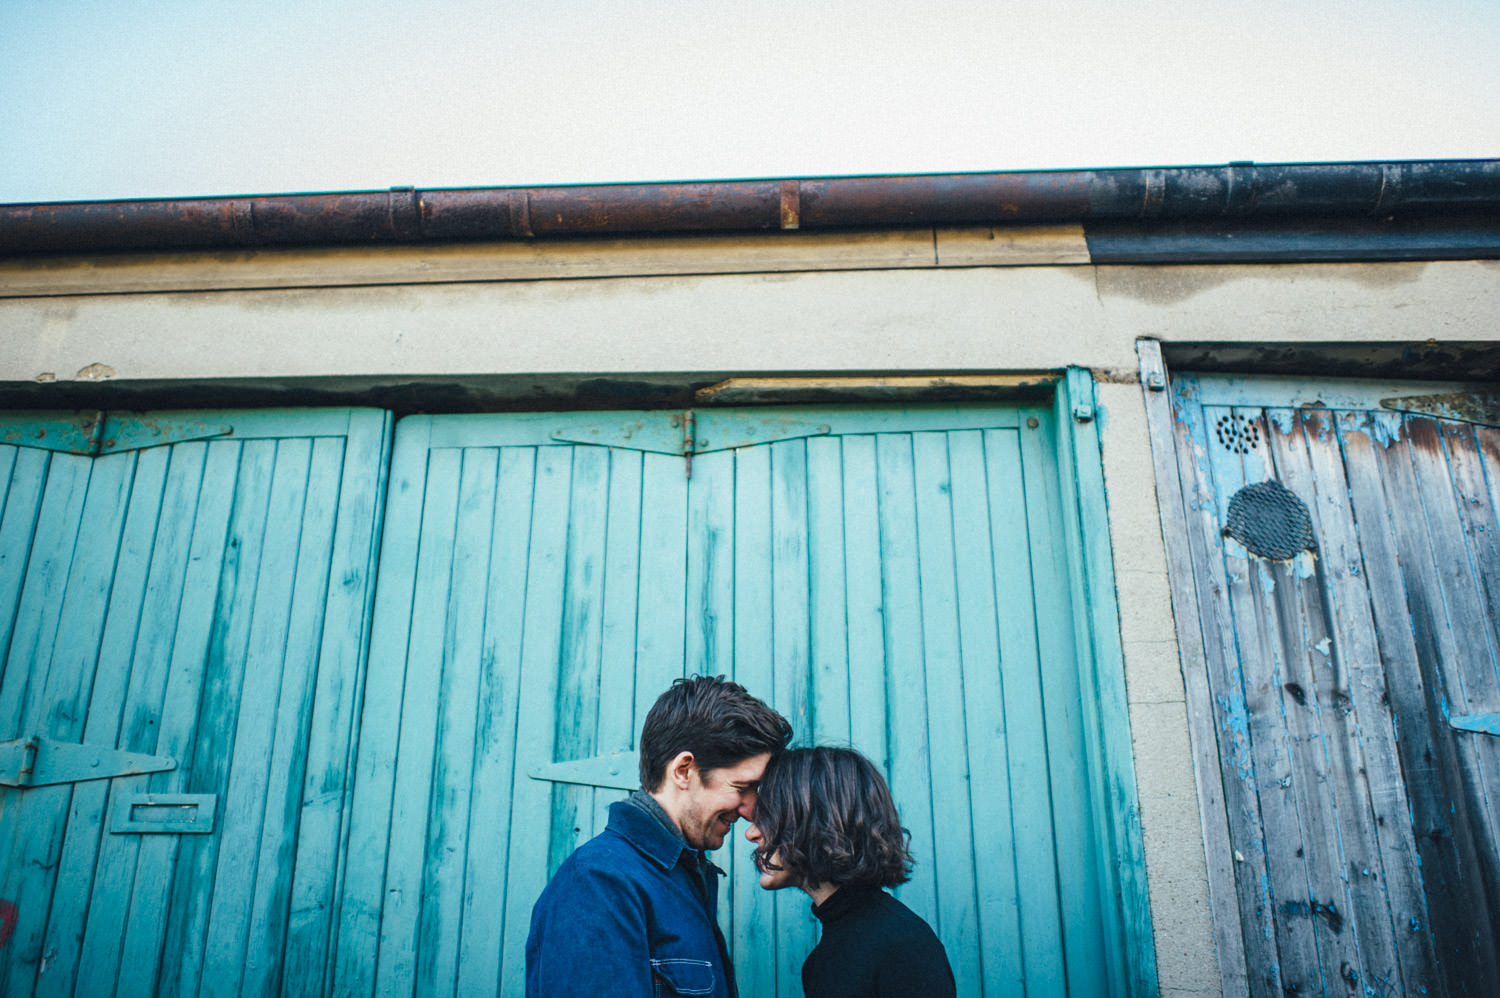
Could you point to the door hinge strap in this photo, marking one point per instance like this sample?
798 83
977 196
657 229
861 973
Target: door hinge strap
614 770
1484 724
40 762
92 434
1479 408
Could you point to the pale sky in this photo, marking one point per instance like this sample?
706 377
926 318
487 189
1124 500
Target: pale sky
176 98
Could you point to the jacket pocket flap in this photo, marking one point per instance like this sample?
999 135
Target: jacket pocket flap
685 977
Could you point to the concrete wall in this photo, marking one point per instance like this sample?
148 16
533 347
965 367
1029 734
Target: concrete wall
950 301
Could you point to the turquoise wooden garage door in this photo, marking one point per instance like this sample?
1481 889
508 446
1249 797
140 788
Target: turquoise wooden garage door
182 603
894 579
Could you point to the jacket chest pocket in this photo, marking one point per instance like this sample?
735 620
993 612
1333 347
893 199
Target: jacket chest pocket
682 977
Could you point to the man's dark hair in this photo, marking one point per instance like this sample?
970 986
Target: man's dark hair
716 720
827 816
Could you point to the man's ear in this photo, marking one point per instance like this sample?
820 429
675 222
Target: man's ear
680 770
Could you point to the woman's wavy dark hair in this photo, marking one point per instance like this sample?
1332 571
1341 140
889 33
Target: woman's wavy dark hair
827 816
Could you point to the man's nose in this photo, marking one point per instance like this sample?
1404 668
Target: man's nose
747 806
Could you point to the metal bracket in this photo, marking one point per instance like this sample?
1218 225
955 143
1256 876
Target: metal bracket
615 770
1080 386
689 433
96 433
1480 408
40 762
1484 724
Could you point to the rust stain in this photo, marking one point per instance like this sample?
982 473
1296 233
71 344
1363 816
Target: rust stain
9 915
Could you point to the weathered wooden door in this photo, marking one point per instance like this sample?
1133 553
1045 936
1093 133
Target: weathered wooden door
894 579
183 600
1345 551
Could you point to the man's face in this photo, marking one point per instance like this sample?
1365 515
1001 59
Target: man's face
717 797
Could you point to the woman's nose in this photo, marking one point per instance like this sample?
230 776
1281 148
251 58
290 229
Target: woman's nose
752 833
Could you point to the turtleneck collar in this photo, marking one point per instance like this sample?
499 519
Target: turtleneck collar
843 901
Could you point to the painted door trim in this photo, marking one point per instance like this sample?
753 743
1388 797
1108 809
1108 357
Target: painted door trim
1106 725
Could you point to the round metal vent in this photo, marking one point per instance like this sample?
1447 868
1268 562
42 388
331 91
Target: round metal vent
1270 521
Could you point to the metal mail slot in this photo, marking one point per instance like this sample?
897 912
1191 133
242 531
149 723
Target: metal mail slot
173 814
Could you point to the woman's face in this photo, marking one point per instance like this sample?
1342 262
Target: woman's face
771 880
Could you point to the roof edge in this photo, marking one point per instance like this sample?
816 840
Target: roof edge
408 215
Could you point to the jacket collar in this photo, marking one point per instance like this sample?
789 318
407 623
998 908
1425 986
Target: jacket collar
651 838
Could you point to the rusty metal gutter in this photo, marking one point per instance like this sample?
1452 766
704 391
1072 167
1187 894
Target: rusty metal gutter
407 215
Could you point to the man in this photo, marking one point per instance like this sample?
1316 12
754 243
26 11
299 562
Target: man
632 911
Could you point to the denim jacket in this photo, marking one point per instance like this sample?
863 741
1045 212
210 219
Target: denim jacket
630 913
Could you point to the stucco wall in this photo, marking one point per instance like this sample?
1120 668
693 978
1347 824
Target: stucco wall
946 301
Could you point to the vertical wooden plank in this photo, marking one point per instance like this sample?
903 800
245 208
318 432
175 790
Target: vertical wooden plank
38 571
1381 488
864 610
622 566
243 813
828 638
992 864
1030 820
1440 607
485 937
1191 637
448 844
1067 763
220 702
208 474
1123 897
24 512
1367 752
94 877
710 566
661 621
957 919
363 886
1327 770
25 478
323 821
1292 812
1230 705
791 686
296 638
750 917
411 796
906 679
7 468
579 665
60 622
526 863
1471 673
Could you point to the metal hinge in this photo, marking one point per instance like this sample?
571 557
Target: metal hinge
1484 724
1479 408
93 434
690 433
615 770
40 762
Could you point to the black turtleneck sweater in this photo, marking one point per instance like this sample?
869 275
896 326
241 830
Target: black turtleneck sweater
874 946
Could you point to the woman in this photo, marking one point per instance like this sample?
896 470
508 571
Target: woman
825 822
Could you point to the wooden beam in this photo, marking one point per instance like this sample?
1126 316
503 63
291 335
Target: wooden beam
1217 847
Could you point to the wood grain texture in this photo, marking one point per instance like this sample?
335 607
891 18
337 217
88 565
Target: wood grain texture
1372 818
182 593
875 584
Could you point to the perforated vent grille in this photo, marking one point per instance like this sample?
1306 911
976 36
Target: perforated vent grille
1270 521
1238 434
